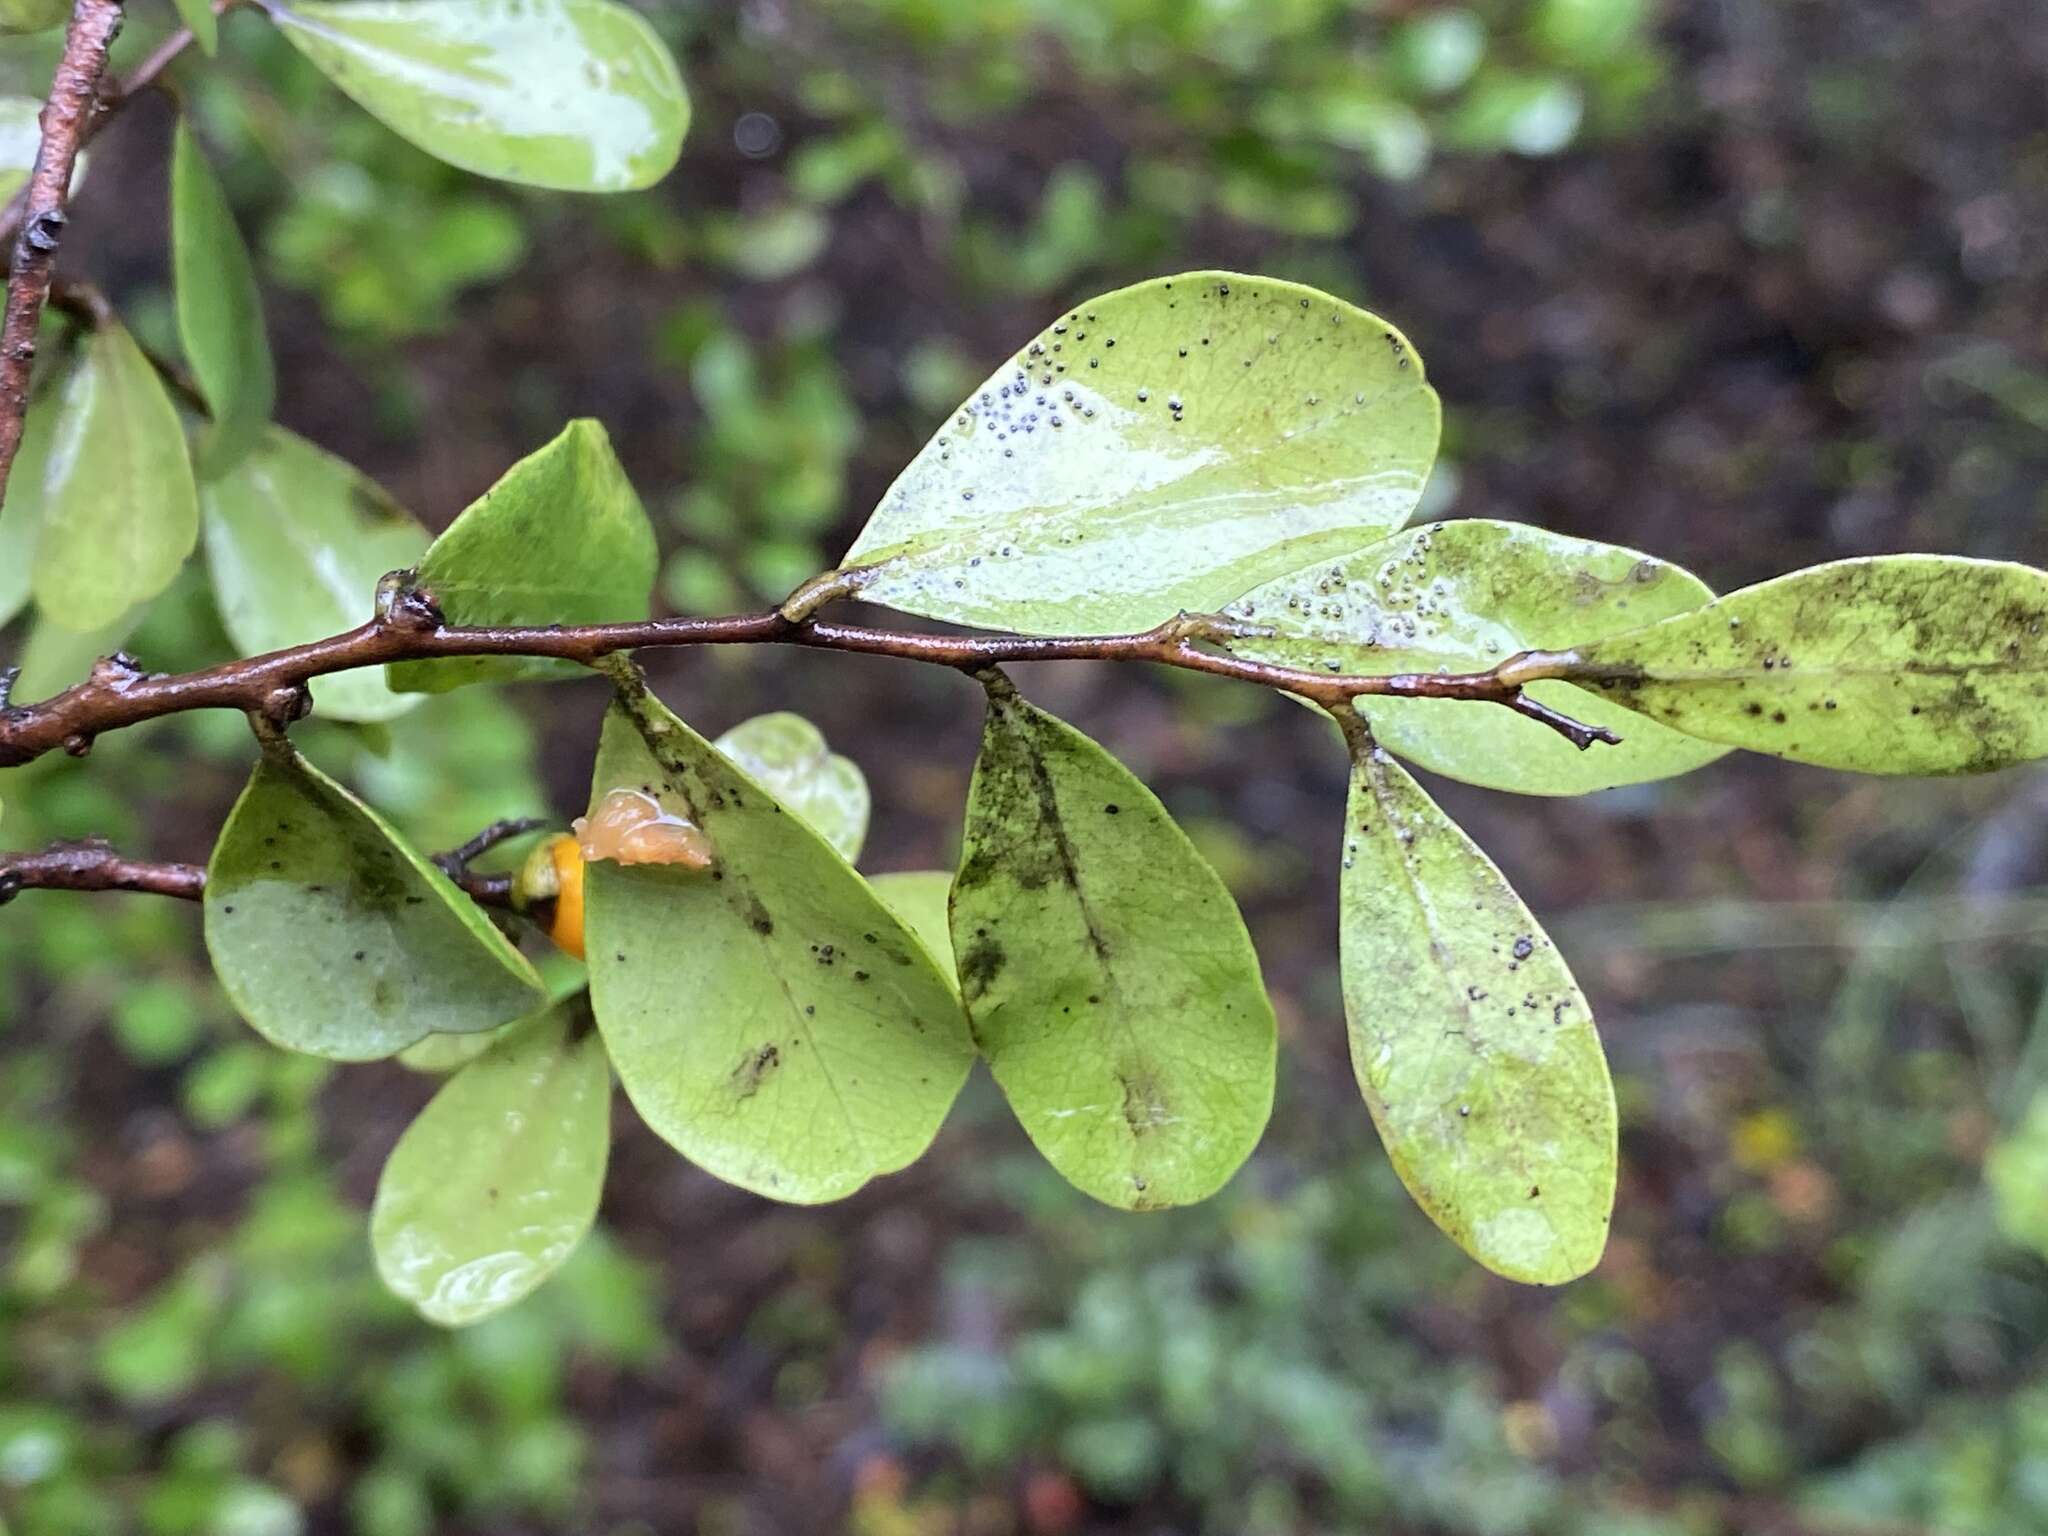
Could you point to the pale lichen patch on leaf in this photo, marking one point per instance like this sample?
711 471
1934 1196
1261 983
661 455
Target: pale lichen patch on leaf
1160 448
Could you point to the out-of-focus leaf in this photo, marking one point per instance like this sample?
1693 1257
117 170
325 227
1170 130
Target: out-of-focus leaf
21 514
23 16
1473 1046
1461 597
220 308
332 936
1168 446
1106 970
579 95
198 15
120 511
1904 664
770 1017
786 755
919 898
296 540
497 1181
560 539
2017 1170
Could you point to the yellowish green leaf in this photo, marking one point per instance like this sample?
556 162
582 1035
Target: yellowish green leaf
1473 1046
1168 446
1108 975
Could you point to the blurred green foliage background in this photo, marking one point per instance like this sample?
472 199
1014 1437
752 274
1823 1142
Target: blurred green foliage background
1745 283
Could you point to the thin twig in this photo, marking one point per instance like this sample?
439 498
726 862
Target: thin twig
112 98
92 864
66 120
410 629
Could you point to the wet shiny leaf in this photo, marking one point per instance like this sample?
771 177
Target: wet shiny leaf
1922 664
296 540
331 935
497 1181
1168 446
1473 1046
786 755
560 539
220 309
1107 972
578 95
769 1016
120 511
1462 597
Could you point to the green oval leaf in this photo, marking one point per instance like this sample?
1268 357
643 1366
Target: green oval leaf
220 309
205 26
1462 597
21 134
1473 1046
23 16
1107 973
497 1181
21 514
296 540
1920 664
578 95
919 897
120 511
769 1017
332 936
560 539
786 755
1164 447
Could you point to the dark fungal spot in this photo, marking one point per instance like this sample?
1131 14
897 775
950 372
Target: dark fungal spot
982 962
753 1067
1111 810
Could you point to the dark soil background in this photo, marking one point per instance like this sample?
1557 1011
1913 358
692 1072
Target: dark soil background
1791 310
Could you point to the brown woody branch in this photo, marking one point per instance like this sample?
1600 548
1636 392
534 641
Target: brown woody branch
112 98
66 123
92 864
274 686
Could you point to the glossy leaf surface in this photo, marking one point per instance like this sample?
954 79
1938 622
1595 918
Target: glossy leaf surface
578 95
220 309
770 1017
1920 664
919 898
120 511
560 539
786 755
1167 446
332 936
296 540
1109 977
1462 597
497 1181
1473 1046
